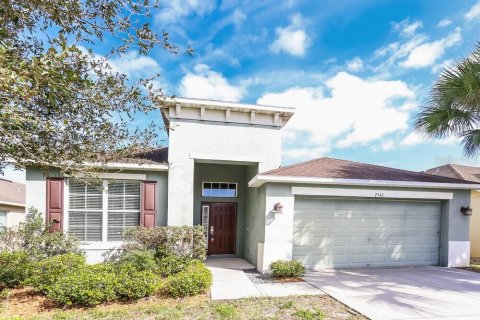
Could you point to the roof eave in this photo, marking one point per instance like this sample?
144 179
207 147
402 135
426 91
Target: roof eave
259 180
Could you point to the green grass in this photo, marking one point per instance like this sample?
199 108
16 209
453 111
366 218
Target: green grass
315 314
225 311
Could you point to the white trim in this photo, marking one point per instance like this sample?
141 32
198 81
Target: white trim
119 176
132 166
260 179
371 193
105 211
225 104
12 204
225 157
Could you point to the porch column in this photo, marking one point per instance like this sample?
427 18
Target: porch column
180 193
278 244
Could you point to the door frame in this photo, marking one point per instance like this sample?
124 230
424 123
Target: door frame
209 203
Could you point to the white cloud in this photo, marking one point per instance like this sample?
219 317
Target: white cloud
416 138
444 23
10 173
132 63
407 29
443 65
356 112
387 145
292 39
174 10
204 83
426 54
473 13
356 64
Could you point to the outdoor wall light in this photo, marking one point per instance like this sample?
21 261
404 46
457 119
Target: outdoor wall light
466 211
278 208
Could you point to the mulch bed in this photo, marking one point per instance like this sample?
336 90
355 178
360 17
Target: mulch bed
261 278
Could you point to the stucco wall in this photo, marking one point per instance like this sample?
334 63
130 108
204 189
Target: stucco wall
475 225
454 233
15 214
222 173
254 219
196 141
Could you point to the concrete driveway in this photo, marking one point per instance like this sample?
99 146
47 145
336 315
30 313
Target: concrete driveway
404 293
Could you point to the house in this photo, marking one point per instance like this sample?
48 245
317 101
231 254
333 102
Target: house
222 169
469 173
12 203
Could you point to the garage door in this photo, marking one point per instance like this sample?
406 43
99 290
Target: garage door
348 233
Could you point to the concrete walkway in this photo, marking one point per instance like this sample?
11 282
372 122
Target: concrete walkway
404 293
230 282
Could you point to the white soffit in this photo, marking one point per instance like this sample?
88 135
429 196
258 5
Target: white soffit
371 193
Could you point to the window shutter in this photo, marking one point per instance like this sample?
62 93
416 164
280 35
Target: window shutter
149 206
55 203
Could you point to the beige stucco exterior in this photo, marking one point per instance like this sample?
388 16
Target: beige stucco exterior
15 214
475 225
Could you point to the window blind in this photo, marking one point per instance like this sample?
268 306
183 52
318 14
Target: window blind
85 211
123 207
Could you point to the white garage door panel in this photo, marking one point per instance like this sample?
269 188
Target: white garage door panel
345 233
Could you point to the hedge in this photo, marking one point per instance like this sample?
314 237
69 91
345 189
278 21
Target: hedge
184 241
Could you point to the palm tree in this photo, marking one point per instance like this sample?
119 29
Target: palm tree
454 105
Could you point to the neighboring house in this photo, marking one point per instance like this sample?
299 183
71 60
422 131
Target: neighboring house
471 174
222 170
12 203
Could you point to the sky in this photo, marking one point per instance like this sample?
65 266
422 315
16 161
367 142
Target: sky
357 71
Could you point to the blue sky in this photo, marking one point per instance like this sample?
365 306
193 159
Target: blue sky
357 71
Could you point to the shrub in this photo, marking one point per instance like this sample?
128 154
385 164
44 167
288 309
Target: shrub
139 260
14 268
33 237
186 241
284 268
171 265
88 286
44 273
195 279
134 284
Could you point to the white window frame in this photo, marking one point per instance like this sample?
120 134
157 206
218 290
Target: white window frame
236 189
97 244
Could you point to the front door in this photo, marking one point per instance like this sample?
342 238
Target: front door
222 227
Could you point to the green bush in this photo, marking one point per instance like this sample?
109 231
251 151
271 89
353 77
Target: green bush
33 237
195 279
285 268
88 286
171 265
135 284
14 268
185 241
140 260
46 272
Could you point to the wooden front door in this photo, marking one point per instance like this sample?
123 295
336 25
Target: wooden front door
222 228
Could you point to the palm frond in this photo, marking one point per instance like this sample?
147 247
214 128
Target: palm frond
471 142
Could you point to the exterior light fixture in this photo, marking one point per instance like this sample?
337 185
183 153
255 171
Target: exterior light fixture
466 211
278 208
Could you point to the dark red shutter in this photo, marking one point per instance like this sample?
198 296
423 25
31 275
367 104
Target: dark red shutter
55 203
149 204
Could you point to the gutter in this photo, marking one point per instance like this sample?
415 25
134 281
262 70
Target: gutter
12 204
134 166
260 180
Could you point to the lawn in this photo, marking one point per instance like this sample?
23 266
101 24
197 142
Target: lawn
24 304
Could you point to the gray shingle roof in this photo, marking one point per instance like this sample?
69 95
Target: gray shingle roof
344 169
12 192
468 173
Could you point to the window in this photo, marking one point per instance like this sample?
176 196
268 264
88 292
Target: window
102 212
123 207
3 220
219 189
85 211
